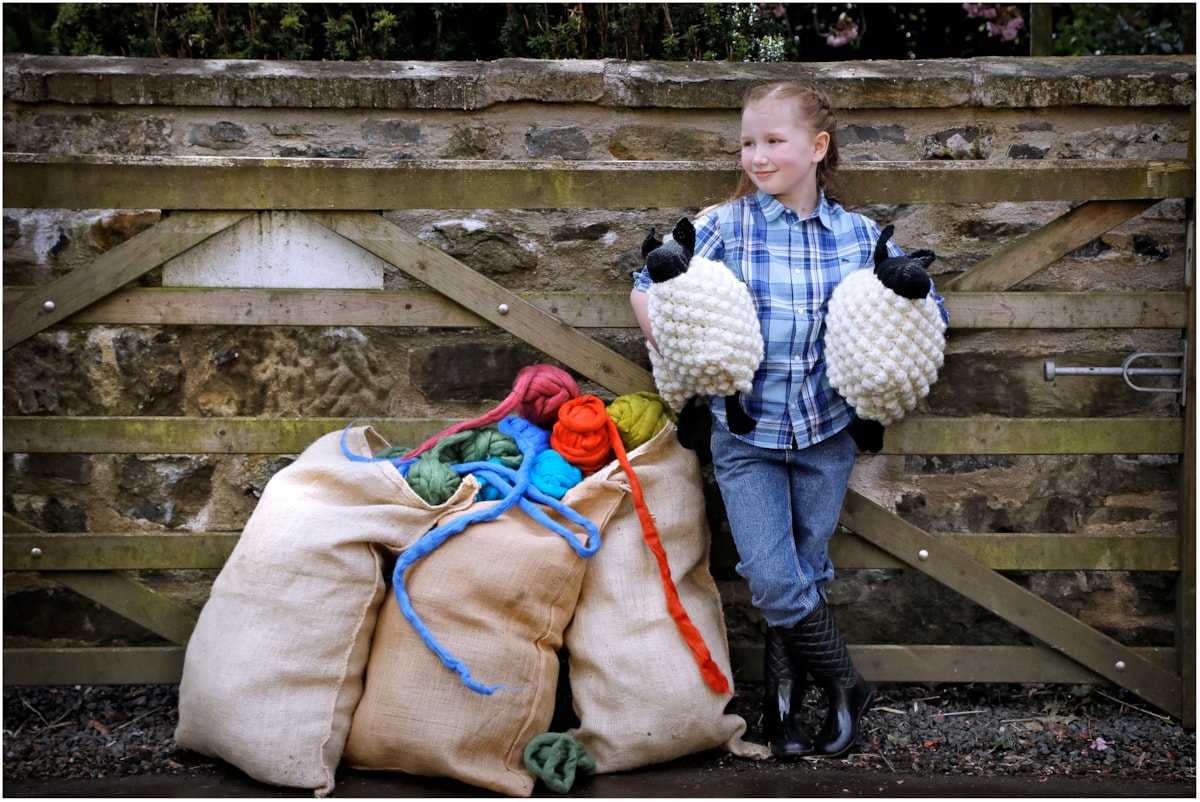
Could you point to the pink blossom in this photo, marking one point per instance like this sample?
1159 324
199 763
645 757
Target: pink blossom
980 10
1008 31
842 37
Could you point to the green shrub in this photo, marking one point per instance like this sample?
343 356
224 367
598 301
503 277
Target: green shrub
631 31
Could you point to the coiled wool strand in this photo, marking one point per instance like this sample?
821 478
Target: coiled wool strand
708 334
882 351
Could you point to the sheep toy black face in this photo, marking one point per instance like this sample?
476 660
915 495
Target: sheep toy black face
665 262
905 275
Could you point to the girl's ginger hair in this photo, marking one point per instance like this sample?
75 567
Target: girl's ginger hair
814 110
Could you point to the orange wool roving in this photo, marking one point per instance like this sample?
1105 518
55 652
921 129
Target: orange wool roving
581 433
587 437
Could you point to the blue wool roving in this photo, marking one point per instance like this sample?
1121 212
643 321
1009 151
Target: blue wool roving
513 488
552 474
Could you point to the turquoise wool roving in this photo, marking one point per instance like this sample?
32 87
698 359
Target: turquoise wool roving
553 475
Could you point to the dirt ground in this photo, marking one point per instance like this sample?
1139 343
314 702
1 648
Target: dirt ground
918 741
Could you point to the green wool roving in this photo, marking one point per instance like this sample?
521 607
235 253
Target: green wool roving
433 477
555 757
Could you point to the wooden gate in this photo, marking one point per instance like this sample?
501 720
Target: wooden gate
206 196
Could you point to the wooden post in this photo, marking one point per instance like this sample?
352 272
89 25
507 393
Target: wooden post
1041 29
1185 597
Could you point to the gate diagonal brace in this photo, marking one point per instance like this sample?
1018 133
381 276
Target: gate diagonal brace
1058 629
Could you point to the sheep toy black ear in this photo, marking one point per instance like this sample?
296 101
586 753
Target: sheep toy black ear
906 275
651 242
685 234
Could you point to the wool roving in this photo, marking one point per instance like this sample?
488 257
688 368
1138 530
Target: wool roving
581 433
703 319
515 489
639 416
551 473
883 350
431 475
584 433
537 394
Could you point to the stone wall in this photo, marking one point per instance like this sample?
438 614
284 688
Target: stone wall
987 109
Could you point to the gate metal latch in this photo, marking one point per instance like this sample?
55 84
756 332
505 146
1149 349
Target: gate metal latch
1127 370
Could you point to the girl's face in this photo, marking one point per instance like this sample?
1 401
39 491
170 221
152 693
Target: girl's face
780 155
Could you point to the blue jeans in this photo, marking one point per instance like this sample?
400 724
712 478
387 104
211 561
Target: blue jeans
783 507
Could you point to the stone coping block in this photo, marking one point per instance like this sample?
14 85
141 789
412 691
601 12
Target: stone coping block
467 86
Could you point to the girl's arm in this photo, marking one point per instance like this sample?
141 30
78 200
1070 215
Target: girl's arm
639 300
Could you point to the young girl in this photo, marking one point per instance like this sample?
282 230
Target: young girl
783 483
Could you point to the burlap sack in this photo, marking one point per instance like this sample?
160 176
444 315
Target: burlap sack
497 596
636 685
274 668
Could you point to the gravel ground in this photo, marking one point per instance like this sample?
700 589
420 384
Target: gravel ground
1038 732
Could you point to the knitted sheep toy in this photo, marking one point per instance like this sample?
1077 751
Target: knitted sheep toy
704 321
885 336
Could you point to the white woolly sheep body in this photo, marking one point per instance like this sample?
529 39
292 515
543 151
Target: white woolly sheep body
882 351
708 334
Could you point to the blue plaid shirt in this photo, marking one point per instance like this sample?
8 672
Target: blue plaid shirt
791 267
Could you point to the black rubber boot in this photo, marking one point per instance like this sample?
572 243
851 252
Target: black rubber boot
817 642
783 690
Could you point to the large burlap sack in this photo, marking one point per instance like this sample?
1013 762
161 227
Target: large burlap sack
274 668
497 596
636 684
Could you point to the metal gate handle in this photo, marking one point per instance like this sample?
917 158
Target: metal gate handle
1126 371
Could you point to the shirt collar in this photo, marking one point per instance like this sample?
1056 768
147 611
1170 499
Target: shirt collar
772 209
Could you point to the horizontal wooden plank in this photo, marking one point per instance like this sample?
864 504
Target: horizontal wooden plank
241 183
1067 310
913 435
163 665
124 665
587 310
1042 551
200 435
987 435
90 551
1026 551
952 664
